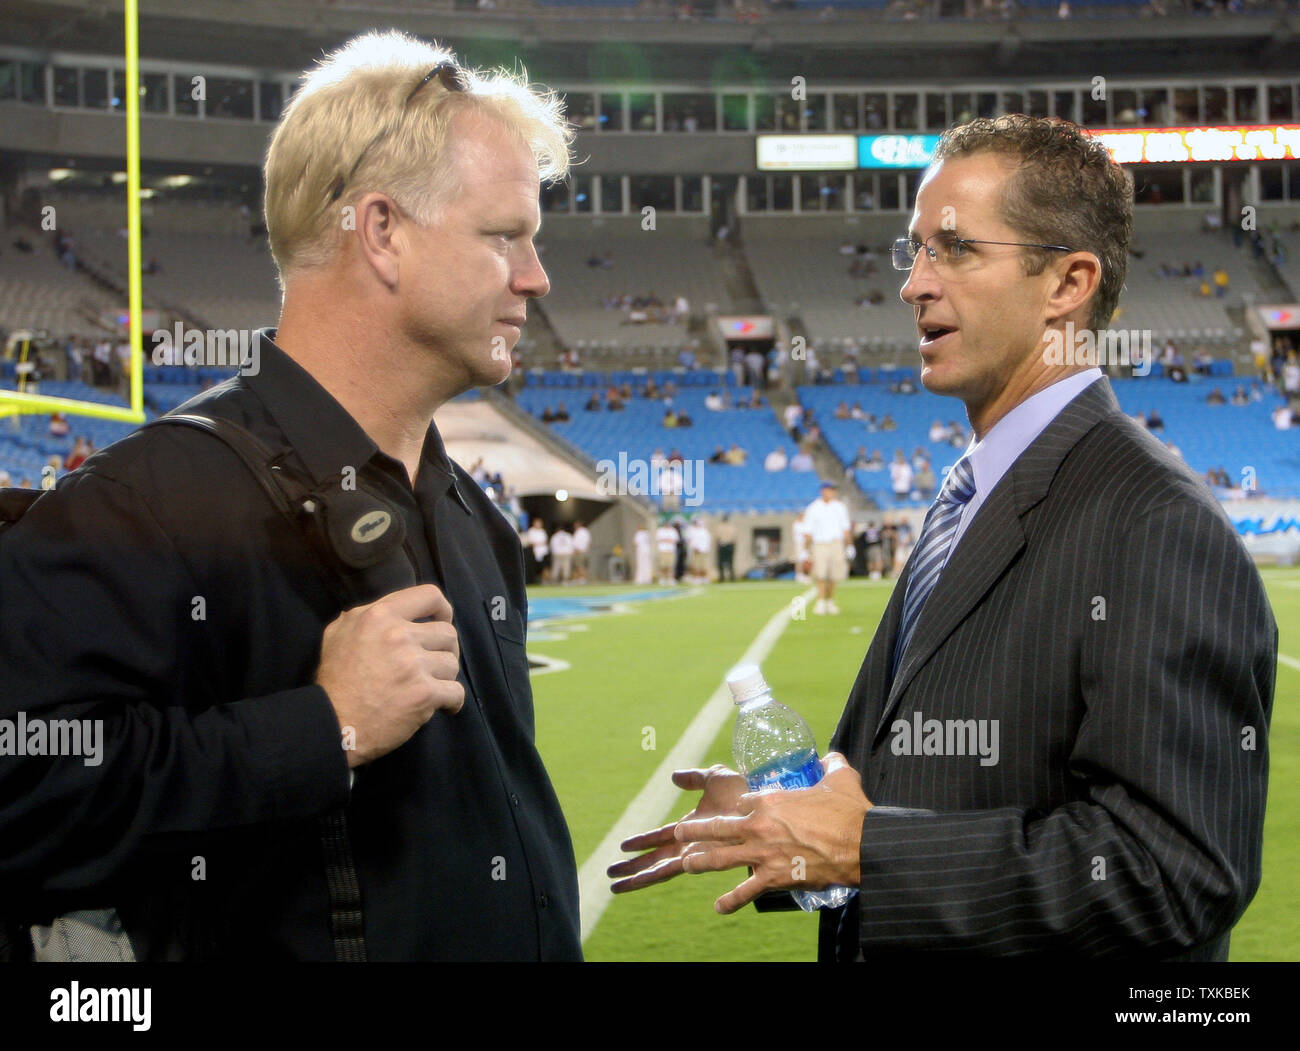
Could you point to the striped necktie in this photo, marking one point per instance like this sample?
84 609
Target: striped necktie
932 551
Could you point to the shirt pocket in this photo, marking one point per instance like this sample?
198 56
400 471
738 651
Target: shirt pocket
508 629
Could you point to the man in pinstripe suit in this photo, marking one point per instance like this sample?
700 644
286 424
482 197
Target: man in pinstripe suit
1077 597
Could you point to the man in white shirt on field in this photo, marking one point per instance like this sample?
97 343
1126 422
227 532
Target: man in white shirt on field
699 542
829 533
802 553
666 558
561 556
581 552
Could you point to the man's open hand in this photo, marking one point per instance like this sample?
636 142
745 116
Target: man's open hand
805 839
722 790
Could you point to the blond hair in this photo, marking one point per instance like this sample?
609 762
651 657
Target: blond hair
354 127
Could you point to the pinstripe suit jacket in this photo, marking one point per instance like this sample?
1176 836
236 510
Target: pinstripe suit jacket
1102 610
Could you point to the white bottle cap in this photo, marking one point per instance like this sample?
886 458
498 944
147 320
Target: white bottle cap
746 682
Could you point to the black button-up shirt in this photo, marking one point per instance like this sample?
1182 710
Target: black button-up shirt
159 591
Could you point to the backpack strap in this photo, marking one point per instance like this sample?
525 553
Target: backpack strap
290 497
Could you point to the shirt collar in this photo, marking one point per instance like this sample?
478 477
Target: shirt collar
992 456
322 433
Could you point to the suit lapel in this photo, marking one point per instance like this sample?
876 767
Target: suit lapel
990 544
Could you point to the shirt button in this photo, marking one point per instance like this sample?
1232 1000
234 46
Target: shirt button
544 901
514 798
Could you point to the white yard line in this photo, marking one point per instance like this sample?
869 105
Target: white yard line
1290 662
646 811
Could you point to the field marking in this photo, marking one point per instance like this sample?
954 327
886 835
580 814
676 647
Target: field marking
659 792
1290 662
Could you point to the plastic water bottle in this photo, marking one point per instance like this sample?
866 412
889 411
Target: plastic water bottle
775 749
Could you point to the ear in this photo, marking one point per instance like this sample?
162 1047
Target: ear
379 234
1076 278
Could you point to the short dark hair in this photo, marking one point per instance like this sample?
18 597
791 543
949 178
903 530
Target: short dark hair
1066 190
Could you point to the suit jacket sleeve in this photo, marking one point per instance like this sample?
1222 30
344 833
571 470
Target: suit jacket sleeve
1162 850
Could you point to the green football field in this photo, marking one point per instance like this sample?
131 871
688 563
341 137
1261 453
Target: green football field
637 676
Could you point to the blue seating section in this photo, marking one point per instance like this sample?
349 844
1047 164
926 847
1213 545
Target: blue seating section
26 443
712 379
1229 436
637 431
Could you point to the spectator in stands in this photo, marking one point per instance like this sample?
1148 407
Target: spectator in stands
802 461
938 432
561 545
888 424
81 451
776 460
756 400
593 403
684 419
1155 422
670 418
736 456
872 423
924 480
1240 397
957 436
856 411
1291 375
581 552
918 457
1282 417
651 389
562 414
756 369
6 480
719 455
548 415
58 425
1215 397
670 487
900 476
737 360
1202 362
686 359
1177 374
842 411
713 401
614 400
1220 282
792 415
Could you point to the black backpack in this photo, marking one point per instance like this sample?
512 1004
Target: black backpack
327 518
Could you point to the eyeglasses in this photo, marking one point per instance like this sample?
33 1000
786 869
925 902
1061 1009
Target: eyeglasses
946 247
448 74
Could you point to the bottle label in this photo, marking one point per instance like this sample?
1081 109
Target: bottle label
786 773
